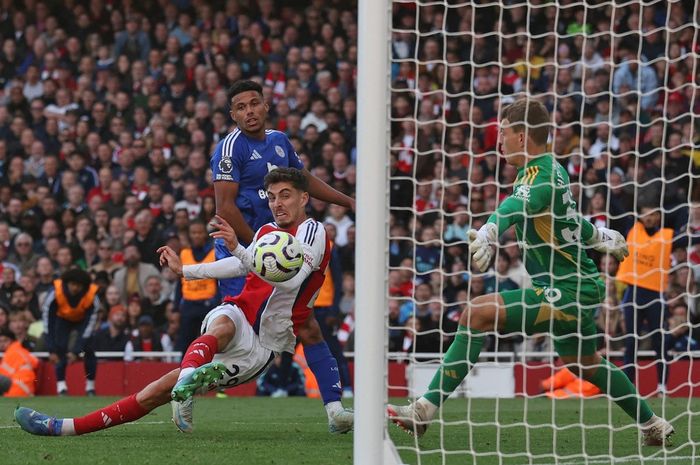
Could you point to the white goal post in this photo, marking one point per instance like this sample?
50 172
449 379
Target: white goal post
372 231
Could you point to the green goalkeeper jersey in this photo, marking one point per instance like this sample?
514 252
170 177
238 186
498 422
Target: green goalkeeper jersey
548 227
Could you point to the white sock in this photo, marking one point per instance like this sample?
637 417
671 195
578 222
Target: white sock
61 386
333 407
184 372
428 407
89 384
67 428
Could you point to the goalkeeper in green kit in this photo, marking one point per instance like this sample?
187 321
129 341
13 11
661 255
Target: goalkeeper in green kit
567 287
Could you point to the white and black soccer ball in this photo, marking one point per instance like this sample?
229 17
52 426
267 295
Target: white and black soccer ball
278 256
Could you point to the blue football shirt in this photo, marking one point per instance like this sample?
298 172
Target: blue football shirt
239 158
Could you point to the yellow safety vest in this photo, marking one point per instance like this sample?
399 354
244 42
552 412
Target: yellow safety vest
76 313
200 289
650 258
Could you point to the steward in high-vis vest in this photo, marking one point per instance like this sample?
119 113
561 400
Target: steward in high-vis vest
71 306
17 367
646 273
200 296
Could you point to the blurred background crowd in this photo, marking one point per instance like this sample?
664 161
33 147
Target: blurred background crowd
621 84
110 110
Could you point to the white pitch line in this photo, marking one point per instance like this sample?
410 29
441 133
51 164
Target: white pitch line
622 460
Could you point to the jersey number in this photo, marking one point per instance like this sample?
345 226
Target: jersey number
233 373
570 234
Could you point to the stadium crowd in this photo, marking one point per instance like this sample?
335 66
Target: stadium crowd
109 112
621 84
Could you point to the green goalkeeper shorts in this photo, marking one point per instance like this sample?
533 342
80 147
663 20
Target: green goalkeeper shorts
566 316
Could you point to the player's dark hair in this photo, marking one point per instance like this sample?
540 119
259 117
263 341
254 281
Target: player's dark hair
239 87
530 113
291 175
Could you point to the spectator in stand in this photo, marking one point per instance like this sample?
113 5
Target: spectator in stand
634 75
147 339
191 201
19 325
105 255
113 338
278 382
147 237
131 278
338 217
72 307
156 303
23 255
499 280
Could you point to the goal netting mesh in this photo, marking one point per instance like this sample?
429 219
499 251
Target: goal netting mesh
620 80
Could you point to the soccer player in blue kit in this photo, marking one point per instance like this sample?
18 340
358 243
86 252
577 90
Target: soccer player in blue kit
239 165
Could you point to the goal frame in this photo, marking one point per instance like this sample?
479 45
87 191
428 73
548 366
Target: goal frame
371 444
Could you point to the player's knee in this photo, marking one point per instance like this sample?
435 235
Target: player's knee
476 317
223 329
310 331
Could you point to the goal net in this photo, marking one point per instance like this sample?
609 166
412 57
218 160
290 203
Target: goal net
620 80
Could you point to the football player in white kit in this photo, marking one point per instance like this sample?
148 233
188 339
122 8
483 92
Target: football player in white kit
240 337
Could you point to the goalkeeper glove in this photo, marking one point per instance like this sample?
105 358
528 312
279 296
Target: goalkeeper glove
480 243
607 240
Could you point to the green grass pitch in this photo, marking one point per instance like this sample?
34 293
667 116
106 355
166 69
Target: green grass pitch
254 431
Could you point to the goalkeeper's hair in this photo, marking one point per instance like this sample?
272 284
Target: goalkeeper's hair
291 175
241 86
531 116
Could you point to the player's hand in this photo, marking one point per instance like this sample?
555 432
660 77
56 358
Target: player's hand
71 357
225 232
53 358
611 242
169 258
480 245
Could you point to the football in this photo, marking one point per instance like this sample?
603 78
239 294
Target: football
278 256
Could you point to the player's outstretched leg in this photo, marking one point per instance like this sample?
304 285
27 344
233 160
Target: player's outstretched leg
611 380
123 411
325 368
197 371
480 315
197 380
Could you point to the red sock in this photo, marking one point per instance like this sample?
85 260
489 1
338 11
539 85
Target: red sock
201 351
122 411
